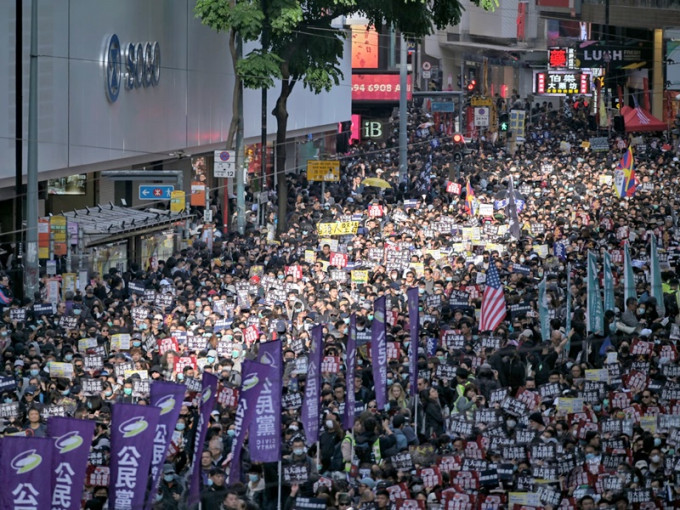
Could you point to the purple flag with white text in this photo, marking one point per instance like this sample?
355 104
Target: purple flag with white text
252 375
350 398
310 403
72 439
379 352
132 431
413 325
264 434
207 403
168 397
24 464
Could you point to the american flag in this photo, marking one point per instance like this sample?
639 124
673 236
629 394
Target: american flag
493 300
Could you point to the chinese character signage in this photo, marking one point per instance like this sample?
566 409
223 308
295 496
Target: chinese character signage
562 58
562 83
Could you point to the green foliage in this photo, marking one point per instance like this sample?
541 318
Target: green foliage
285 16
303 44
244 17
259 69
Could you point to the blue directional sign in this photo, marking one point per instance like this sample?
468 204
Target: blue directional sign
155 191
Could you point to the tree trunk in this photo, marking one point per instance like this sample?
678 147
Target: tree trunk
281 113
235 111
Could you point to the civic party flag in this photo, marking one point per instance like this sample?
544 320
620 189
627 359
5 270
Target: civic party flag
379 352
493 301
132 431
628 276
264 433
471 203
24 464
609 302
595 313
310 403
625 182
72 440
543 311
168 397
511 211
656 286
207 404
413 327
250 377
351 360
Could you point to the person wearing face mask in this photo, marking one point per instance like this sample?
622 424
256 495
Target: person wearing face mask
256 486
126 395
212 496
329 441
656 461
170 489
299 456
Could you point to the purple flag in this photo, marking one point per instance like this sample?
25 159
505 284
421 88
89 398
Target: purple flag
24 463
264 434
208 397
350 361
310 404
271 354
168 397
72 438
413 326
251 376
132 431
379 352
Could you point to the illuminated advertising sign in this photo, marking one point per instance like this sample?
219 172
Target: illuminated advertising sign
562 58
562 83
378 87
364 47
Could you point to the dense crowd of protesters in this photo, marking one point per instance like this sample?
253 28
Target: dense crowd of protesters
510 418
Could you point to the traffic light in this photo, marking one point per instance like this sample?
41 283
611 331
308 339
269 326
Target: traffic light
458 147
503 122
472 86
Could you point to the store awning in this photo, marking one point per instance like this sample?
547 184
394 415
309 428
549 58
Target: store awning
110 223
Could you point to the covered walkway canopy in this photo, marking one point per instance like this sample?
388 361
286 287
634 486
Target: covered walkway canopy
110 223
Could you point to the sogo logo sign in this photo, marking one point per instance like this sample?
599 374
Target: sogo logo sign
142 63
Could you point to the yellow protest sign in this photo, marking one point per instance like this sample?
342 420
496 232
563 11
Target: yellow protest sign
58 369
310 256
339 228
120 342
648 424
359 276
323 171
418 268
143 374
570 405
599 374
86 343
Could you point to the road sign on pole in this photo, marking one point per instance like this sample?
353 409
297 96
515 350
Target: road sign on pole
155 191
225 164
481 116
